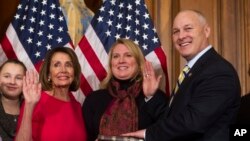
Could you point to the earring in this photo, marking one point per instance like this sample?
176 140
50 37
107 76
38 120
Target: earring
49 79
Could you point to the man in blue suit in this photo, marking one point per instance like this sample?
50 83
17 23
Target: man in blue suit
207 100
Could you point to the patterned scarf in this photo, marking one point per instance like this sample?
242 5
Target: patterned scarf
121 115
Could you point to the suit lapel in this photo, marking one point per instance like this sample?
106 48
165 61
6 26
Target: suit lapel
203 61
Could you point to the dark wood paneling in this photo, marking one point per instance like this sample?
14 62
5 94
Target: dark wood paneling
7 11
94 5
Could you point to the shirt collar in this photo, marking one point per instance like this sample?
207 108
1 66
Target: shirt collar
191 62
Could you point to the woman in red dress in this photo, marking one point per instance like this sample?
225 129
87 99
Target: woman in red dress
50 111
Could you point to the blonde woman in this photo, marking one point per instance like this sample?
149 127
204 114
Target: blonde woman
125 102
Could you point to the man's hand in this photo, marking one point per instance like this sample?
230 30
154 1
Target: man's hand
138 134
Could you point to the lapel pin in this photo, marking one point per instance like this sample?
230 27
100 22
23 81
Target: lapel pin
190 74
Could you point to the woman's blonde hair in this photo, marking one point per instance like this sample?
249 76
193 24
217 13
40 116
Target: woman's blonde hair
137 54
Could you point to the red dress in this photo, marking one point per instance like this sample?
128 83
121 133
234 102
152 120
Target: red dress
56 120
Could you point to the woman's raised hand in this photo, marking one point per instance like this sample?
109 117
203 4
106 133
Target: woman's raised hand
150 80
31 87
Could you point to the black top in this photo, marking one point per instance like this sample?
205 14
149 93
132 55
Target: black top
95 105
7 124
243 114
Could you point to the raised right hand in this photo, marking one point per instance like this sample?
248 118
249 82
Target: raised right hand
31 87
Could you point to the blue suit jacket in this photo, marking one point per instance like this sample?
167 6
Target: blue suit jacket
205 105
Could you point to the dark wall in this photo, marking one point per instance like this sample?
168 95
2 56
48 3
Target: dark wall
7 11
94 5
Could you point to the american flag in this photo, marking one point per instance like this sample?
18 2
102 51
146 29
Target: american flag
38 26
118 19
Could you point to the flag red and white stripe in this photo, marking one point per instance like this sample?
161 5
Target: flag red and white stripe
118 19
